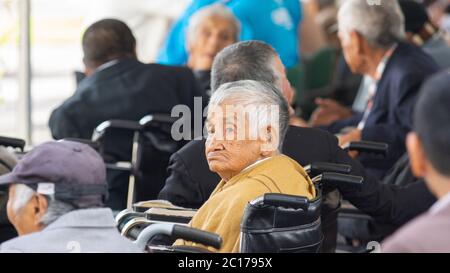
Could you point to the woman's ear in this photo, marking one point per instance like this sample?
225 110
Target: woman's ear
271 140
417 156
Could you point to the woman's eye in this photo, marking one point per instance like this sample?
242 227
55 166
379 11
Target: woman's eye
225 37
206 33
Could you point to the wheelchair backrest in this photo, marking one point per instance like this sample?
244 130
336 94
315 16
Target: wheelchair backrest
156 145
280 223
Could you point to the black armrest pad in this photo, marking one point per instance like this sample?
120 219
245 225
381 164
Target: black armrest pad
368 147
12 142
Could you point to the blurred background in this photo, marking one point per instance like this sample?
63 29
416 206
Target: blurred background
40 51
56 28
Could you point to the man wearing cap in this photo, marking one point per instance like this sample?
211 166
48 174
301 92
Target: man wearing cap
56 199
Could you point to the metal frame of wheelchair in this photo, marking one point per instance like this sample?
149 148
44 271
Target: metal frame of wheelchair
18 145
348 211
138 221
133 224
137 131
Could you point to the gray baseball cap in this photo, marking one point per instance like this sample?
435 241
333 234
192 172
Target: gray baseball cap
70 171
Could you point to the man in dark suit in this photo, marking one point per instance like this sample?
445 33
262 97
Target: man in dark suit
117 85
371 41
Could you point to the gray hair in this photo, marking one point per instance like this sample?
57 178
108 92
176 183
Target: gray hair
380 22
55 209
248 60
259 96
214 10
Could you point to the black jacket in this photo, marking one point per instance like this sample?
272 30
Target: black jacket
190 182
126 90
391 116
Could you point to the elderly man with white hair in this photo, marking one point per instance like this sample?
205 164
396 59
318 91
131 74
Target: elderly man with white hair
372 34
56 202
246 123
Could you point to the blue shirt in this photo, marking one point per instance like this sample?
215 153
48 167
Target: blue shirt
272 21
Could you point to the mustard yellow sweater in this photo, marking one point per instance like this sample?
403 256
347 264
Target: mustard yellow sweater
223 211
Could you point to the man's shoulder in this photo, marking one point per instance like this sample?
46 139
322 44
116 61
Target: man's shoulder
192 150
171 69
412 62
307 132
20 243
304 143
419 234
66 240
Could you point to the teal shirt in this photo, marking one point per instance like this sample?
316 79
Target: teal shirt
272 21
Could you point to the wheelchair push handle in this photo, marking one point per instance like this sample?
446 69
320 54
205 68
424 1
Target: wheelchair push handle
149 120
196 235
338 178
322 167
177 231
12 142
285 200
368 147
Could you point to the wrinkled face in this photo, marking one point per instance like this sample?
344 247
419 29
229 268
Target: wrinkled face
26 219
349 43
231 146
213 34
283 81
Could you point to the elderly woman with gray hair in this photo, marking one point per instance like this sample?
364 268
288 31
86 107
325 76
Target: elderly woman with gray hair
210 29
247 122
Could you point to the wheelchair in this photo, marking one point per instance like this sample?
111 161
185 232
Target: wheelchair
7 162
271 223
356 228
175 231
136 156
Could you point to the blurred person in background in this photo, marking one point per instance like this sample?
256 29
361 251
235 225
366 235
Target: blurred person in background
372 41
420 31
275 22
210 29
117 85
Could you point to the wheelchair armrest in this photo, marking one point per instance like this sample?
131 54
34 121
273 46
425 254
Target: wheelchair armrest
338 178
197 235
321 167
178 231
155 118
282 200
368 147
12 142
123 217
105 126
